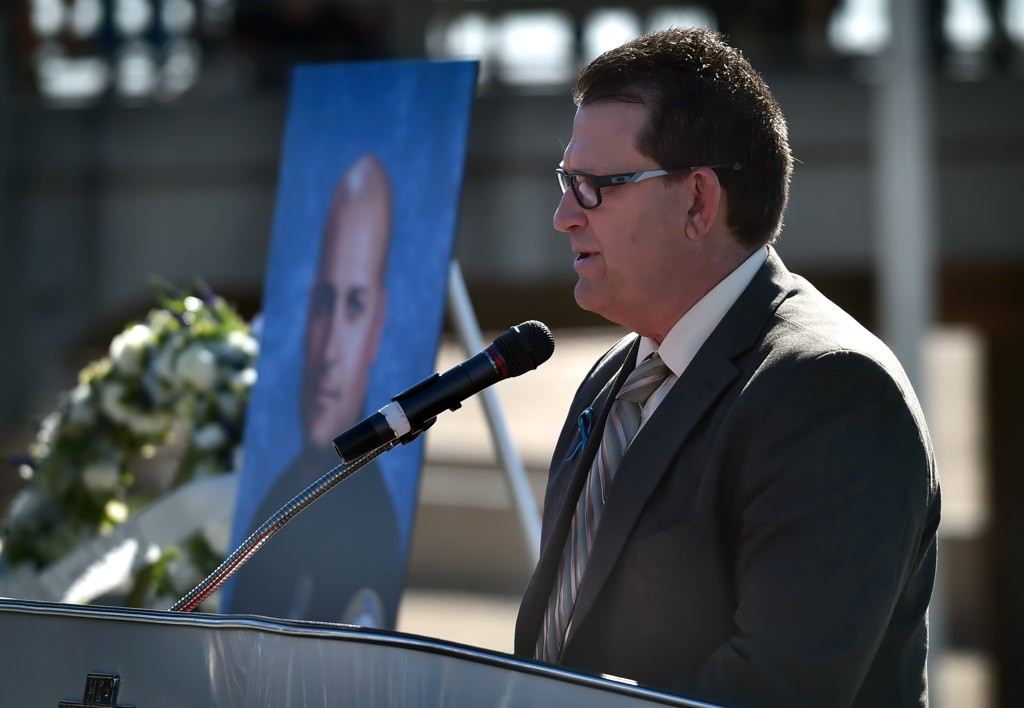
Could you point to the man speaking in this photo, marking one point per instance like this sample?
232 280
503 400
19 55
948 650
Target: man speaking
743 501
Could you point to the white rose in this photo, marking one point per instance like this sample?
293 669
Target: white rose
152 554
116 510
110 401
209 437
148 424
101 477
243 342
127 348
80 408
244 379
197 366
160 320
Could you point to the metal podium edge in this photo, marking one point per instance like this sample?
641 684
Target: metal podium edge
325 630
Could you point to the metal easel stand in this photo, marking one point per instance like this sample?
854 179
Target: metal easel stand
468 330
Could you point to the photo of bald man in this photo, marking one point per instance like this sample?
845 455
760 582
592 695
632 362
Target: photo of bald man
312 569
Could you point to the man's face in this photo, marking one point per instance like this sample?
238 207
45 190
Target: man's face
346 315
632 258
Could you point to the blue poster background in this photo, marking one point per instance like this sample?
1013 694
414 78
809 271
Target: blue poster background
414 116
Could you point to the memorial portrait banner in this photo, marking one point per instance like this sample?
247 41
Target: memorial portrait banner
369 180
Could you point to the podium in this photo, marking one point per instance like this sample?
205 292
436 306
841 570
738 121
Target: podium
83 656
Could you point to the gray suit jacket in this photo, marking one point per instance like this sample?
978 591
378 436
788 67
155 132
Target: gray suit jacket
769 539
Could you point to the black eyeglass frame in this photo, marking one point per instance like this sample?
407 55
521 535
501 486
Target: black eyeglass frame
567 180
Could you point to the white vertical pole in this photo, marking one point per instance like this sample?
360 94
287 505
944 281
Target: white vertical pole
906 233
518 484
905 258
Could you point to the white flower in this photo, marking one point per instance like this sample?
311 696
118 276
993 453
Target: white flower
159 320
152 554
148 424
127 349
101 477
48 429
197 366
80 408
111 393
244 379
243 342
145 424
209 437
116 510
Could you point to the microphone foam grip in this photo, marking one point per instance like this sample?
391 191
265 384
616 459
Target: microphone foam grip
525 347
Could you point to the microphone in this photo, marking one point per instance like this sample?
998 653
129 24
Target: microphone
520 349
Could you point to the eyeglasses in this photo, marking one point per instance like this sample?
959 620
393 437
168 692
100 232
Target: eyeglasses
587 188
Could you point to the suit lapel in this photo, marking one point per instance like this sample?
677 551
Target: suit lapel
572 473
566 480
711 372
643 467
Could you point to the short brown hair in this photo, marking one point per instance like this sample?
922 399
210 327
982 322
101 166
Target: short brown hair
708 106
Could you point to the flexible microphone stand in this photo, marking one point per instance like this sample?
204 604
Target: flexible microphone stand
275 523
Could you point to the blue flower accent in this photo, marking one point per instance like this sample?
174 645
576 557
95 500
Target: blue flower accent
585 422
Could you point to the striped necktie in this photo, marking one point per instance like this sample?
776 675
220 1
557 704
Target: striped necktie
619 430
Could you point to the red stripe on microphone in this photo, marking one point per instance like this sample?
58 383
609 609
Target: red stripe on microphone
495 358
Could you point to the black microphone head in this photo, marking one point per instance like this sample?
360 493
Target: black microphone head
525 347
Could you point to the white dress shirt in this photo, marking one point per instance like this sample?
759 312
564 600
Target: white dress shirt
688 335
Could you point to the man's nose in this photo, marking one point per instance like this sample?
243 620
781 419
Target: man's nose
568 214
335 343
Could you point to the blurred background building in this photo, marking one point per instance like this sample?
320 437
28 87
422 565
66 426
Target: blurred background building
141 138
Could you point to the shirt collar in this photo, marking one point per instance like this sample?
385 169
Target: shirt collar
688 334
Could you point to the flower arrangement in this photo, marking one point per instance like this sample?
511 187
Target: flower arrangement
182 375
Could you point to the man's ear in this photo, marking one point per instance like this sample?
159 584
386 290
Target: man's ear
706 198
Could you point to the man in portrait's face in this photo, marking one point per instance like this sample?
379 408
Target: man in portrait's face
347 302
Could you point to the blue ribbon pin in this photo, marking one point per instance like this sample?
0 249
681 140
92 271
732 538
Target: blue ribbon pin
585 421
